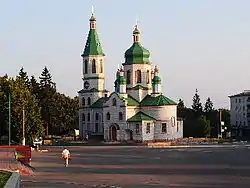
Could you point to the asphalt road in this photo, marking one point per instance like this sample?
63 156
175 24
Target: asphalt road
142 167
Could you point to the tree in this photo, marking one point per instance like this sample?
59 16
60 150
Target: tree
24 100
24 76
208 107
203 127
46 98
181 104
197 106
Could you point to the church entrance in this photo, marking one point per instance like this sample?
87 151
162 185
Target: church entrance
113 132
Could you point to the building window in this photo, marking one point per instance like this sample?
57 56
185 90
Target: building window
239 100
108 116
101 66
88 116
164 128
137 128
83 117
86 66
177 126
96 116
236 100
148 76
248 99
114 102
83 101
93 66
120 116
128 77
96 127
89 101
148 128
138 76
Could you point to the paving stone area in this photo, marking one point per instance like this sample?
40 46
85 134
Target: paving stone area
142 168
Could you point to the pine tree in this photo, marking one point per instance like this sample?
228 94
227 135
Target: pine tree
46 79
46 99
208 107
181 104
197 106
24 76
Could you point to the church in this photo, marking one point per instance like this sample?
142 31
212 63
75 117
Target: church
136 109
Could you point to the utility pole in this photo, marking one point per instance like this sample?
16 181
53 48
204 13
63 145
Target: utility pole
23 142
219 125
9 119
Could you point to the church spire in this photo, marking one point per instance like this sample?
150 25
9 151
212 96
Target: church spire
136 34
93 45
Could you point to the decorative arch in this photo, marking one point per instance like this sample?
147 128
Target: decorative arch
83 117
128 77
89 101
138 76
120 116
83 101
88 117
86 66
148 76
101 66
114 102
93 66
108 116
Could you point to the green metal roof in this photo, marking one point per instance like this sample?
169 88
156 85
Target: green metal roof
99 103
140 116
93 45
121 80
132 101
156 80
92 90
137 54
160 100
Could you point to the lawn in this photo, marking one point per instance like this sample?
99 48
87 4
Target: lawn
4 176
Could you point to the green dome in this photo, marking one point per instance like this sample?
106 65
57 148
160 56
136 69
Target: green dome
137 54
156 80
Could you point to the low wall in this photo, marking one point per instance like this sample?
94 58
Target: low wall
14 181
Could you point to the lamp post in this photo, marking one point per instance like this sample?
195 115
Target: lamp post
9 119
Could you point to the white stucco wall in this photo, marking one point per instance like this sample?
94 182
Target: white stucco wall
114 117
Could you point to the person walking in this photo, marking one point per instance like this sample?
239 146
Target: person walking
66 156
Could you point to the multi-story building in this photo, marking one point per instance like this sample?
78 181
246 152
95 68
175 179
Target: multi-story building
137 109
240 113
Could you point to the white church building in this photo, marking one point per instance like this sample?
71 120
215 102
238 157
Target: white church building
136 109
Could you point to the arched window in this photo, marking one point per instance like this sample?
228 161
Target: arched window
114 102
88 116
128 77
120 116
97 116
108 116
83 117
89 101
148 76
86 66
83 101
138 76
93 66
101 66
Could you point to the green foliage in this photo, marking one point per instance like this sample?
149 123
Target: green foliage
197 106
208 107
44 108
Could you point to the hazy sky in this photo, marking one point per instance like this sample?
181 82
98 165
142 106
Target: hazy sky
197 44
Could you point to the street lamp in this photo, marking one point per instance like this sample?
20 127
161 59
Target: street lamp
9 119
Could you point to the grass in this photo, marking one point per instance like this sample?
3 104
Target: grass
4 176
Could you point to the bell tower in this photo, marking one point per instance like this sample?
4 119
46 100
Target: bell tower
93 59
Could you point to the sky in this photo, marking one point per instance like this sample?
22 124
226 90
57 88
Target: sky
196 44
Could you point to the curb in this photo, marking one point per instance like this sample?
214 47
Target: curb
14 181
